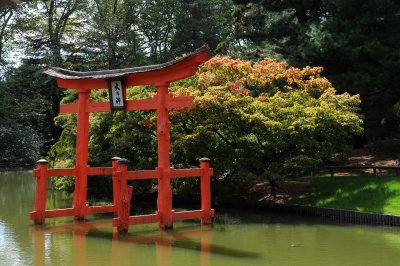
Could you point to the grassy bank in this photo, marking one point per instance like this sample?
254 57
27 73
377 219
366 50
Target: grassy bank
379 194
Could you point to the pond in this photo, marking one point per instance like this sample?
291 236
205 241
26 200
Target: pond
237 237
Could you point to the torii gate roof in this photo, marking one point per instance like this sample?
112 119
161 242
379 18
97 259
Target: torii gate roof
177 69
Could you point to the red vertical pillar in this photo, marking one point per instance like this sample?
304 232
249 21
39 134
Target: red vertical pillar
82 153
38 214
116 184
164 201
125 196
205 187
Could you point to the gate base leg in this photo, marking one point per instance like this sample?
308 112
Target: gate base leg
125 207
167 227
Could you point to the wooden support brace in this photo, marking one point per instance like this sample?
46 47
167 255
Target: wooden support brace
38 215
124 210
125 196
205 184
116 183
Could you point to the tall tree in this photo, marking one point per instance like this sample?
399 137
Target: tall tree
50 29
157 24
25 114
5 17
199 22
356 41
47 32
113 36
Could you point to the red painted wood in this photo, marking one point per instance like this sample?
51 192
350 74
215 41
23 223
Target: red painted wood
61 172
188 215
125 196
205 188
99 209
164 201
144 219
125 205
131 105
38 214
82 84
96 107
142 174
71 108
82 139
59 213
116 184
144 104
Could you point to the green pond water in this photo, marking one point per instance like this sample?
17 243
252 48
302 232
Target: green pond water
237 237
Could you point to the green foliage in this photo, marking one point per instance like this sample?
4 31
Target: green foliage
356 41
264 120
25 147
25 114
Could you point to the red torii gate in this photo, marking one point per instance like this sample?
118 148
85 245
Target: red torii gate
83 82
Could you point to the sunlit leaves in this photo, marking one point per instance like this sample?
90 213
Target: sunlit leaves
269 118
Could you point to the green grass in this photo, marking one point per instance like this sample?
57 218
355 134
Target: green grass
379 194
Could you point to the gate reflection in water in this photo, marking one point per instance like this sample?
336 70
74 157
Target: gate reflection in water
121 250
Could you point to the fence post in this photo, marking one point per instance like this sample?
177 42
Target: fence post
205 187
116 185
125 195
38 214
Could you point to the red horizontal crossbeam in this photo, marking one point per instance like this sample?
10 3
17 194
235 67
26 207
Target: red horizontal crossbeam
139 219
70 211
131 105
71 171
61 172
188 215
99 209
142 174
175 173
70 108
144 219
59 213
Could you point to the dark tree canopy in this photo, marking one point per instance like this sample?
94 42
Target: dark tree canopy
356 41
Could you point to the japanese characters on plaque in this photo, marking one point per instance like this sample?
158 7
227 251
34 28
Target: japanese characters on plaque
117 95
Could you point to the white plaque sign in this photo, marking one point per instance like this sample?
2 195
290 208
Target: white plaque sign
117 94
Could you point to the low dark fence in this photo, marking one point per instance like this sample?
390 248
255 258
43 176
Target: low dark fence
375 168
346 216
